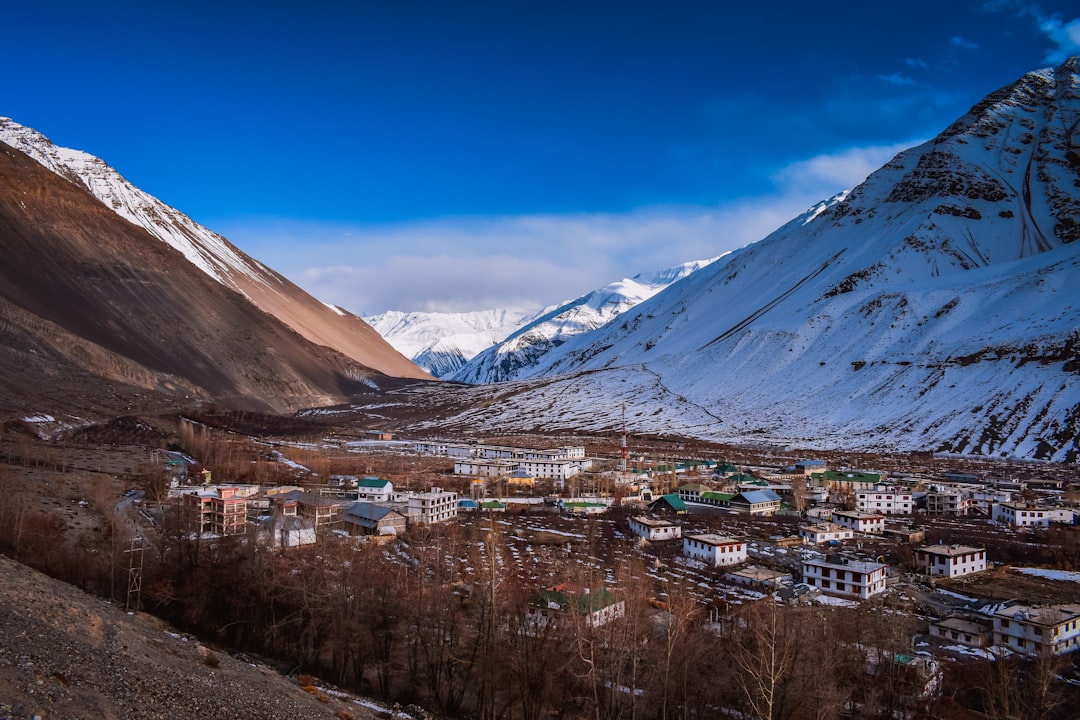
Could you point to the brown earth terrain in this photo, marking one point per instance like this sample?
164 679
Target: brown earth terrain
65 654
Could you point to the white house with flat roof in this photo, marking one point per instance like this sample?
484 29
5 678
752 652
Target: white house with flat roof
825 532
716 550
1037 630
860 522
652 529
846 578
950 560
434 506
885 500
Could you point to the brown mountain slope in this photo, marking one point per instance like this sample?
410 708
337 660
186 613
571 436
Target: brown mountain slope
215 255
108 301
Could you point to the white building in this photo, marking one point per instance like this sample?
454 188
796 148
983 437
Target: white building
437 447
860 522
847 578
1020 514
373 489
884 500
715 550
1035 630
825 532
435 506
550 469
652 529
485 468
950 560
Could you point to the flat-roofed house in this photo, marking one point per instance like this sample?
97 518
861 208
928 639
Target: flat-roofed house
825 532
950 560
716 550
435 506
846 578
860 522
1037 630
885 501
652 529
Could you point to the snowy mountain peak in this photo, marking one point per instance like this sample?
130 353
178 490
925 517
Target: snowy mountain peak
525 349
931 308
207 250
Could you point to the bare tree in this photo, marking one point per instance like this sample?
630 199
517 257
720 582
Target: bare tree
763 653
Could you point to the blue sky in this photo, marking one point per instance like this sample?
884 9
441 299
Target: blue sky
427 155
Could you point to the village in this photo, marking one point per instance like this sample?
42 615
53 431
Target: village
805 534
530 577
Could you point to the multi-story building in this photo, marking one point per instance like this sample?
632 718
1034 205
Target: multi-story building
716 550
1021 514
219 511
847 578
950 560
1038 630
949 502
885 501
434 506
652 529
320 509
860 522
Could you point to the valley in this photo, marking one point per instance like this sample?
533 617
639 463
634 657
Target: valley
440 615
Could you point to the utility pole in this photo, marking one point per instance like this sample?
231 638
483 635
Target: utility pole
135 568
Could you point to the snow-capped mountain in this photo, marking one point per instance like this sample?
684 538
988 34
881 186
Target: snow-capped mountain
214 255
526 347
442 342
935 307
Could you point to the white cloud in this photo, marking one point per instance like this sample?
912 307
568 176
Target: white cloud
839 170
530 261
1064 35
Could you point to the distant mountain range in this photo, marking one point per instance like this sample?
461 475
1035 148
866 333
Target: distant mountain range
496 345
108 298
934 307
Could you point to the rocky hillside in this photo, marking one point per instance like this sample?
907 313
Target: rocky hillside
67 655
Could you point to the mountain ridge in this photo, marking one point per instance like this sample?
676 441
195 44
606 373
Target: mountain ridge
929 308
214 255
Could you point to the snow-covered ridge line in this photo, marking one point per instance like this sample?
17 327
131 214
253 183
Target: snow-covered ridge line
205 249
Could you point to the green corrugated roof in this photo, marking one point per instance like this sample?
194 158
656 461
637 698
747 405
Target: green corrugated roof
674 501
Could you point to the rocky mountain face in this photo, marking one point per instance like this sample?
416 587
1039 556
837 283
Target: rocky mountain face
934 307
97 315
214 255
527 346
